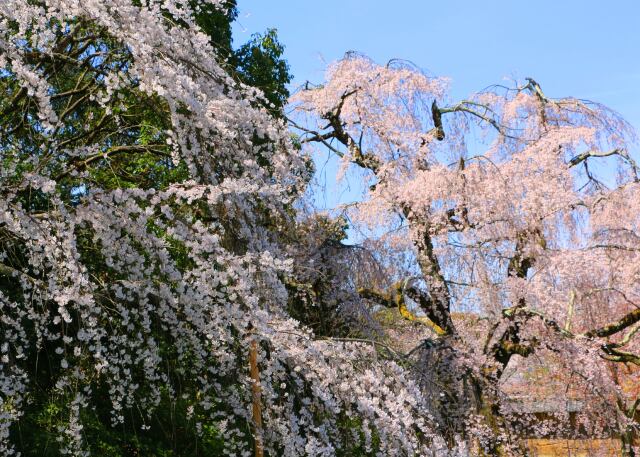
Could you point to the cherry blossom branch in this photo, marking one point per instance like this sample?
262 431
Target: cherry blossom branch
367 341
610 350
434 311
627 338
317 137
386 299
510 342
374 343
152 148
11 272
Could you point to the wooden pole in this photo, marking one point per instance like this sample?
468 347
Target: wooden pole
255 397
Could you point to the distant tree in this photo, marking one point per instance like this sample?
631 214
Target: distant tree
519 210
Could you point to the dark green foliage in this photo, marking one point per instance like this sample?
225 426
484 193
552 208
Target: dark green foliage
217 24
260 64
172 433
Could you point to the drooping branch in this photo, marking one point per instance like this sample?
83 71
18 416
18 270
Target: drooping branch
456 218
11 272
439 301
256 403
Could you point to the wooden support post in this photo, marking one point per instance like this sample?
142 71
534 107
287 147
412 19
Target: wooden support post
255 397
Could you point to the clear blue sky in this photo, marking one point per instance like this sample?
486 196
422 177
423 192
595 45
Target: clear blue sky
584 48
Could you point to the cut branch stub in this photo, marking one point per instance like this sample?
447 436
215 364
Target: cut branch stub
436 114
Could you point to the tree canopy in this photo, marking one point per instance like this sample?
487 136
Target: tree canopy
532 234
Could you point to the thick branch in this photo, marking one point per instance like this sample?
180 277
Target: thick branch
615 355
365 160
385 299
510 343
520 349
615 327
610 351
437 319
433 309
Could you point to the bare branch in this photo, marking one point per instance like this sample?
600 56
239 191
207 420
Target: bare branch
618 151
